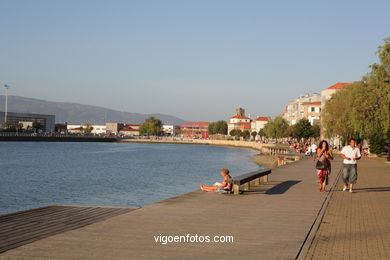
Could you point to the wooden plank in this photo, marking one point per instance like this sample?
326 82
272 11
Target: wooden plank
39 216
55 223
29 226
27 212
44 220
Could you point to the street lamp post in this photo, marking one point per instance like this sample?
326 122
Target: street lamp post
6 104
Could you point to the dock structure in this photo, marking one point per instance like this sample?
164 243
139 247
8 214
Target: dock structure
274 220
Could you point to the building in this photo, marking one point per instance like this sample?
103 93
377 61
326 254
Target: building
74 129
195 129
14 120
130 130
239 121
259 123
61 127
77 129
114 128
312 112
99 129
297 109
327 93
170 130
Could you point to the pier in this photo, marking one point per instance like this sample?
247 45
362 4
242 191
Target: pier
285 218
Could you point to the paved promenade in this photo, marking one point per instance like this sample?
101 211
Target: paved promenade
357 225
270 222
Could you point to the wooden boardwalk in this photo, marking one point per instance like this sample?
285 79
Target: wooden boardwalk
272 221
17 229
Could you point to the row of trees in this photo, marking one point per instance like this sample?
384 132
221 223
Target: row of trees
362 110
218 127
279 128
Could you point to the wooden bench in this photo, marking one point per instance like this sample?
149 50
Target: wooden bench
246 178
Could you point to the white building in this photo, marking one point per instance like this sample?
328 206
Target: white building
239 122
296 109
259 123
96 129
170 129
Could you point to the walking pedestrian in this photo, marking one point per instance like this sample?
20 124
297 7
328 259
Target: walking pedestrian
351 155
323 165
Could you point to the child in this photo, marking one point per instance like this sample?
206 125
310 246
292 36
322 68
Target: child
219 186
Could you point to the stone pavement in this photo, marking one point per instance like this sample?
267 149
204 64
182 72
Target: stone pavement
357 225
270 222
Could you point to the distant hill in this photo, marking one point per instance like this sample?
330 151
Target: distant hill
74 113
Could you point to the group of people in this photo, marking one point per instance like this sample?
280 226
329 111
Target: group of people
350 153
323 156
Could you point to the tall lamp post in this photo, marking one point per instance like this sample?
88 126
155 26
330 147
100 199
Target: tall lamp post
6 104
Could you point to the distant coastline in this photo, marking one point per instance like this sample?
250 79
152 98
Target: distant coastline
262 159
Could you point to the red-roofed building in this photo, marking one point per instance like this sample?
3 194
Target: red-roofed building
239 121
195 129
130 130
328 92
259 123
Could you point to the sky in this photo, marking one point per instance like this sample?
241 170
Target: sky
198 60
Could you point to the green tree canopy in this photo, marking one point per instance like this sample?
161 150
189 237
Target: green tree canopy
261 132
218 127
302 129
362 109
151 126
253 134
276 128
245 134
87 128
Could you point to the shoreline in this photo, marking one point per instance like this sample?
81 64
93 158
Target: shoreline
262 159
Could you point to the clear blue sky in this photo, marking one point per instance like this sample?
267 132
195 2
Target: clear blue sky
197 60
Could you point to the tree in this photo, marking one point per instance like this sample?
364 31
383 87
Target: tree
362 110
151 126
276 128
245 134
290 131
218 127
302 129
237 133
316 131
19 127
87 128
262 133
253 134
36 125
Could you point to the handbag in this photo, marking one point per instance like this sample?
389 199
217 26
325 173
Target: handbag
322 164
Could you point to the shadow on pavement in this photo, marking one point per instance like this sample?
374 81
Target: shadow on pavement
281 187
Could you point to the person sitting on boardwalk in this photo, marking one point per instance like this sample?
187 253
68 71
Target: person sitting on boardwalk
224 186
323 166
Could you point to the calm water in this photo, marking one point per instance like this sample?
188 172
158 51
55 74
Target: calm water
35 174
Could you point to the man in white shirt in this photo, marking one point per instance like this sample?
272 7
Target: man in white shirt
351 155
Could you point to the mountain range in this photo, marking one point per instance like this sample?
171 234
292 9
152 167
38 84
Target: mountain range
74 113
